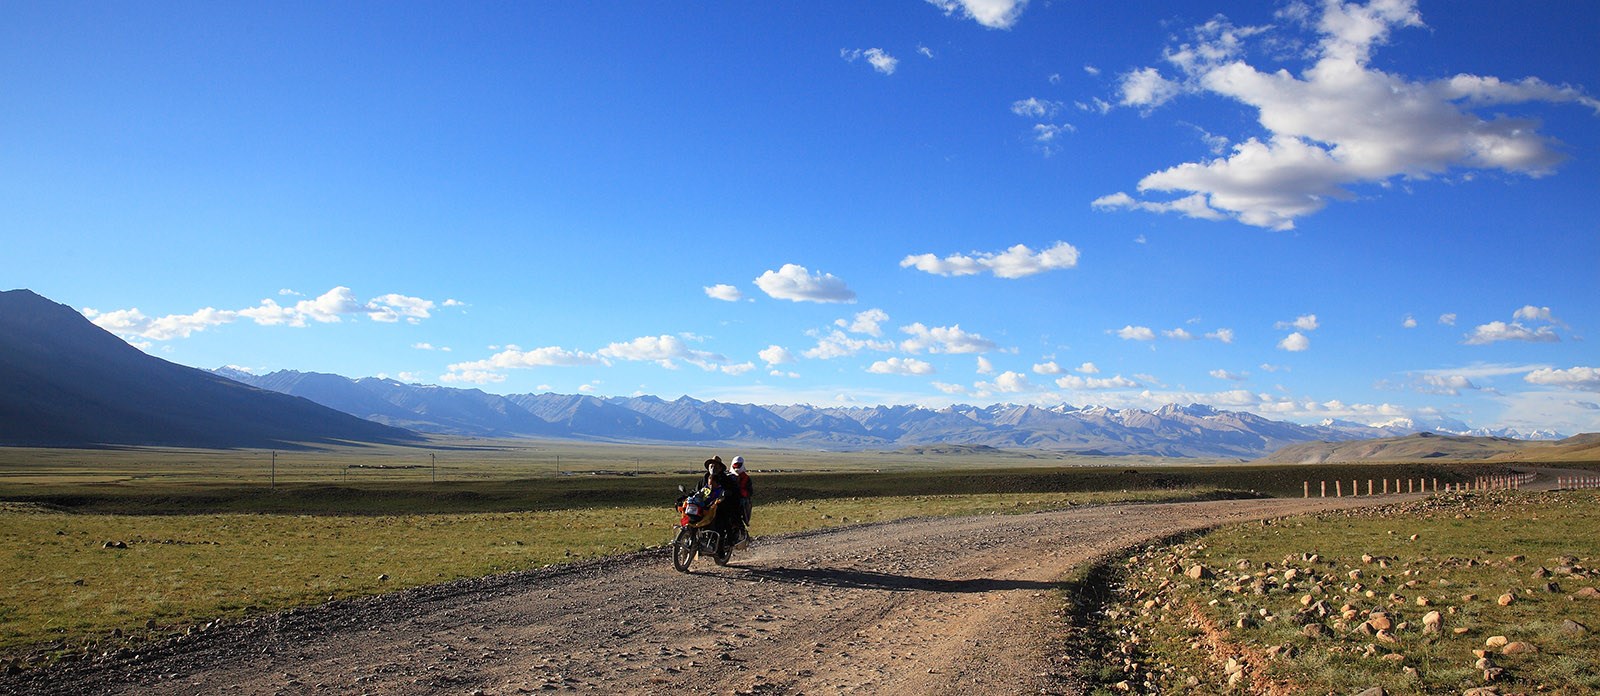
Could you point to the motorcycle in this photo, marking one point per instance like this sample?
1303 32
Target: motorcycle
697 532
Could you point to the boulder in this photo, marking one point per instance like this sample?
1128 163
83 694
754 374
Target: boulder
1432 622
1199 572
1573 628
1519 648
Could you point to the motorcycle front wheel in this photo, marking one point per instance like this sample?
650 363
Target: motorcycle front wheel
683 549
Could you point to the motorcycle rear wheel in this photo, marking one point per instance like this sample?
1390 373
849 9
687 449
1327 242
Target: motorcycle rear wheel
683 550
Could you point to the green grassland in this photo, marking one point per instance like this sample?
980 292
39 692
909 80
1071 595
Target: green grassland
212 534
1340 602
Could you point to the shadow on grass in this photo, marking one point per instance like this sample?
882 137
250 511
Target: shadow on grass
852 579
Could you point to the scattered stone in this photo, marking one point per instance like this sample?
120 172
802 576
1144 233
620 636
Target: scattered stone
383 578
1380 622
1588 593
114 545
1496 641
1506 599
1315 630
1494 674
1519 648
1200 572
1432 622
1482 691
1469 597
1374 691
1573 628
1516 559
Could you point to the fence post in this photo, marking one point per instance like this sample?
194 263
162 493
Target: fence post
1338 488
1324 489
1308 490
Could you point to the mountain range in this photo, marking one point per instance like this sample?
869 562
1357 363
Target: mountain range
66 382
1194 430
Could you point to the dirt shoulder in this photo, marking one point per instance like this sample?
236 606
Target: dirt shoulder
923 606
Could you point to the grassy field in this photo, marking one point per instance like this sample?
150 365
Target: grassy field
215 534
1339 603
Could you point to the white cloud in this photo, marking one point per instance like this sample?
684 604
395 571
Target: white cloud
330 307
1034 107
775 355
1009 382
1047 368
1448 319
1496 331
1451 385
473 377
453 303
286 291
1223 335
868 322
797 284
1146 88
838 344
925 51
781 373
943 339
1577 378
1089 368
1339 122
950 388
1178 334
1193 206
1017 262
1294 342
1305 322
423 346
1086 383
880 59
1046 133
1091 70
901 366
1136 333
664 350
724 292
995 14
737 369
394 307
1234 376
1532 313
1409 322
1268 367
984 366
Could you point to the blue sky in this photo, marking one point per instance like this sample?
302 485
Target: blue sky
1362 211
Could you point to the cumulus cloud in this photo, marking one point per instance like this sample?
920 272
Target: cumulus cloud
1576 378
1305 322
1496 331
1451 385
1146 88
1338 123
1047 368
664 350
1223 335
1295 342
1017 262
1089 368
1034 107
775 355
797 284
879 59
724 292
1136 333
1091 383
995 14
869 322
948 388
1448 319
1178 334
491 369
1008 382
984 366
1409 322
838 344
901 366
1532 313
1234 376
943 339
330 307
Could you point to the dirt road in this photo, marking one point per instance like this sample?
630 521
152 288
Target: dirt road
916 607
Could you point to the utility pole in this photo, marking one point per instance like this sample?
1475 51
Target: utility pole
274 468
435 459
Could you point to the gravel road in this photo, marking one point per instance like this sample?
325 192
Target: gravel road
932 606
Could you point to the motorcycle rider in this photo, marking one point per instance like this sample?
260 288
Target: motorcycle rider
725 486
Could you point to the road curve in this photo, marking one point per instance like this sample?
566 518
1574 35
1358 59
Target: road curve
929 606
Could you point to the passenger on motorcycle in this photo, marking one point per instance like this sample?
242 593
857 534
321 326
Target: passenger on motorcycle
745 490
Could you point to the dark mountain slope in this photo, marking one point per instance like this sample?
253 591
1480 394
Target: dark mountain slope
66 382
